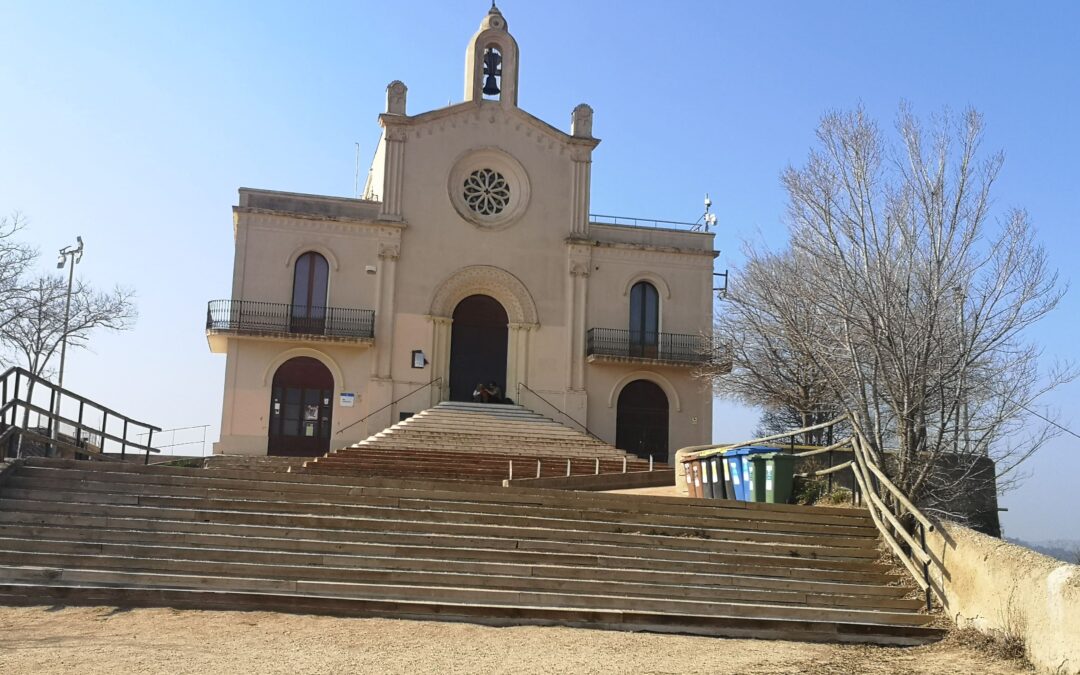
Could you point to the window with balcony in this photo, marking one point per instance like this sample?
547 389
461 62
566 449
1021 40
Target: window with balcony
644 319
310 278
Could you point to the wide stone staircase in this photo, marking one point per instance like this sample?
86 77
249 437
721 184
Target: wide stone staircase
131 535
476 442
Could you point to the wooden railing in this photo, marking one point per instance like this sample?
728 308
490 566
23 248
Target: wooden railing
889 507
65 423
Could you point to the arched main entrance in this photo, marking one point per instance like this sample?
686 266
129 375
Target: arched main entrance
641 421
301 408
478 340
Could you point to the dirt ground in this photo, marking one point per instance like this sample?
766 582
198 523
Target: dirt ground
116 642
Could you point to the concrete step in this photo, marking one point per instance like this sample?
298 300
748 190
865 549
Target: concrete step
754 571
456 427
34 592
700 526
427 453
625 584
434 522
88 533
488 544
464 594
100 491
411 545
307 486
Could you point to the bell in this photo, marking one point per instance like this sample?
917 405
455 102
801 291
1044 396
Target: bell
492 67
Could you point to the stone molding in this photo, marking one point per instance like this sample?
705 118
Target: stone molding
271 220
322 357
485 280
497 160
653 278
674 403
318 248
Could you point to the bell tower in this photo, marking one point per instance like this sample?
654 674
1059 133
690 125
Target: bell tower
491 62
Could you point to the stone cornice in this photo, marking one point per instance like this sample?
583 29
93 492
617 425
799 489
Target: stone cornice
319 222
641 251
477 110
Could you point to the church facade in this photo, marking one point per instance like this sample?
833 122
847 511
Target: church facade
470 259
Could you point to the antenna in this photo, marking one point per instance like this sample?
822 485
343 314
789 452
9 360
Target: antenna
708 218
356 176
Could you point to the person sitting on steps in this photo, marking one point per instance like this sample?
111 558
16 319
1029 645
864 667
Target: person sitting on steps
480 393
494 393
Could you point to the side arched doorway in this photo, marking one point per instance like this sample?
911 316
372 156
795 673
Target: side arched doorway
301 408
641 421
478 338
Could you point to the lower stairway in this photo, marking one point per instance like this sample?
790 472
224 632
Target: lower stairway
476 442
129 535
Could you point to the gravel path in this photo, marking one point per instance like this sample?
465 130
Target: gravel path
109 641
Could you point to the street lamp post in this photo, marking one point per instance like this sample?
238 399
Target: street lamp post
75 253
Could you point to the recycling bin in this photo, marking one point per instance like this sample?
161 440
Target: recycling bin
693 478
773 477
745 489
706 478
716 476
728 475
732 469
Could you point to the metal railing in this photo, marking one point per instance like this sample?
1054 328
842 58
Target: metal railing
391 403
673 347
521 386
65 423
251 316
644 222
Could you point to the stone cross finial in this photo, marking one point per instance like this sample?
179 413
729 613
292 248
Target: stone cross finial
396 93
581 121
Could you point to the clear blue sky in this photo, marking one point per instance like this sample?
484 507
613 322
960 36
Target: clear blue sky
134 123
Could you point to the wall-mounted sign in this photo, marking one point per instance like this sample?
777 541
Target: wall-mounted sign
347 399
418 359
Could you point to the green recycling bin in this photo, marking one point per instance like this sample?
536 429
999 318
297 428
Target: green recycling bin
771 478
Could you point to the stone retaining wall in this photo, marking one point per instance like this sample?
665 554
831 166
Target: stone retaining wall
997 587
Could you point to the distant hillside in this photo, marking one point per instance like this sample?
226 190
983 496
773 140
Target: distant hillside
1067 550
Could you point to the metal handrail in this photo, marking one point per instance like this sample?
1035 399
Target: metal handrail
641 222
397 400
16 394
522 385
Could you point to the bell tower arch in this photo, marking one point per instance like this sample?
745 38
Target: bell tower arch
491 62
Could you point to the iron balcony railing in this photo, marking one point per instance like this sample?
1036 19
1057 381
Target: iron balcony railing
248 316
672 347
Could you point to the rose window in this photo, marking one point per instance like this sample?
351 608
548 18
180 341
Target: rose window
486 192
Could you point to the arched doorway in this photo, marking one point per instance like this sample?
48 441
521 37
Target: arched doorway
641 422
478 339
301 408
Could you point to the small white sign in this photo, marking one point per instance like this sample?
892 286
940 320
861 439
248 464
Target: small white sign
347 399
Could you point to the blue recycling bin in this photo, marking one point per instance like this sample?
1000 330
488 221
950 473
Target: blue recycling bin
733 474
738 464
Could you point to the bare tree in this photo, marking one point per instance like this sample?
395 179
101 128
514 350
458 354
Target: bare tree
15 258
766 369
923 297
36 333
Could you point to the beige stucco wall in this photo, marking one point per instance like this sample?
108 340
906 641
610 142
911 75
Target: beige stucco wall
410 253
996 587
